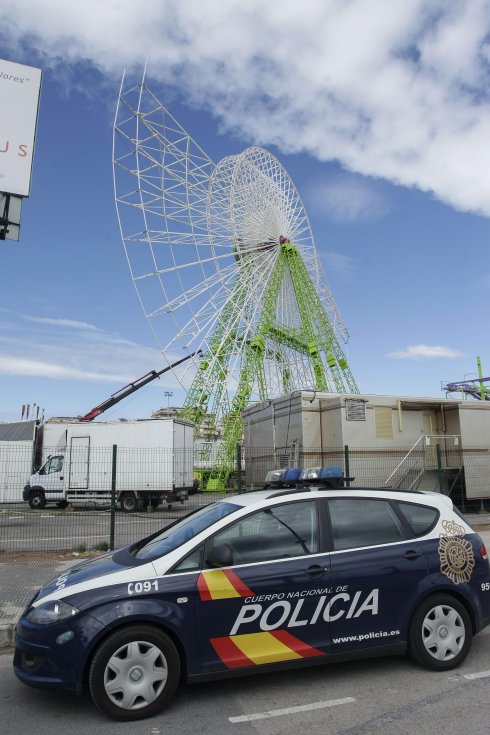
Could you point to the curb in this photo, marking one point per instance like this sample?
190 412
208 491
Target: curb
7 633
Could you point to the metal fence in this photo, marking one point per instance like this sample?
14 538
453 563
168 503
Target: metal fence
111 496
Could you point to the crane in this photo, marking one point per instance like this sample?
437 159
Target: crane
127 390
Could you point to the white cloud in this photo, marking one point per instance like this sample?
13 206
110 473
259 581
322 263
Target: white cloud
347 199
338 263
397 90
426 352
89 355
69 323
15 365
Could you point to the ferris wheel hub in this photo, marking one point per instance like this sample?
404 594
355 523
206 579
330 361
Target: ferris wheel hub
243 249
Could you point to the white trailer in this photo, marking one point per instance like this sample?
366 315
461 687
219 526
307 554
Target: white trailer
149 462
16 458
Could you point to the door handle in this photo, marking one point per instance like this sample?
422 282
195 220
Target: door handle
315 570
411 554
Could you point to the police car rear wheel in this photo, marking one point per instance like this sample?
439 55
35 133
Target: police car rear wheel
440 633
134 673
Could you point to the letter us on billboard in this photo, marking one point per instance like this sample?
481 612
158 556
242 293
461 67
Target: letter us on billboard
20 87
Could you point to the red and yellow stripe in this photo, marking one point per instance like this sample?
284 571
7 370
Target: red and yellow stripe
254 649
221 584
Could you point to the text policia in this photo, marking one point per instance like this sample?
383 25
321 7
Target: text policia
284 613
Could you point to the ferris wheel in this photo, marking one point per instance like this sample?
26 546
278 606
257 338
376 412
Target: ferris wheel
224 261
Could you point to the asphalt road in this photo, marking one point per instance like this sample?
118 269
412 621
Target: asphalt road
379 696
52 529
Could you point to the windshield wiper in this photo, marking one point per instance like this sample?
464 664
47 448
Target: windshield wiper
299 539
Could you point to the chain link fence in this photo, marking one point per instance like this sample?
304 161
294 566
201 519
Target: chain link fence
92 499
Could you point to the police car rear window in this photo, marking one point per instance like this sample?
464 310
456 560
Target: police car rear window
358 522
420 518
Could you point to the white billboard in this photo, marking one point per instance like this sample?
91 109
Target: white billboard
20 86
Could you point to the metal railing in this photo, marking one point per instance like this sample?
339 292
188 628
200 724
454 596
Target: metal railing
429 453
87 511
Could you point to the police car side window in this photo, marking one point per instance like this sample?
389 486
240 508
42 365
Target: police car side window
358 522
190 563
277 532
420 518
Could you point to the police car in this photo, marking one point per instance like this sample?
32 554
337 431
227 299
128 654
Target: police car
285 577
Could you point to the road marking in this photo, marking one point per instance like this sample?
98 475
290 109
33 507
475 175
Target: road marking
291 710
478 675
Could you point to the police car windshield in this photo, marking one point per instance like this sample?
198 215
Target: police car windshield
177 534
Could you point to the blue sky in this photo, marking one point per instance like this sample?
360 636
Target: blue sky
380 112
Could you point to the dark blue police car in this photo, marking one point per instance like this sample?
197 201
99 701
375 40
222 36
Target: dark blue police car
278 578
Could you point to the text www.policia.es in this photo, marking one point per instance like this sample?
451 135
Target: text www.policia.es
366 636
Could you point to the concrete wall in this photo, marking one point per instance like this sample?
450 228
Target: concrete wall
474 418
475 437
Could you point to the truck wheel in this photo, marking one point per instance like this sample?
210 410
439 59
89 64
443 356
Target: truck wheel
37 501
129 502
134 673
440 633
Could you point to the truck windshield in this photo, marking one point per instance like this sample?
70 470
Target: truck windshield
177 534
54 464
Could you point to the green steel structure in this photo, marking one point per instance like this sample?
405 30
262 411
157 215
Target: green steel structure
315 340
223 260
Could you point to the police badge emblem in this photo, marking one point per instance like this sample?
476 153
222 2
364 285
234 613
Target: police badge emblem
455 553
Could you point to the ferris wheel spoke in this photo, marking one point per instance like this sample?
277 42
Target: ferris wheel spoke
183 266
192 293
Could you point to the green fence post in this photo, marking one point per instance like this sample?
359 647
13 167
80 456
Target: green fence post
439 468
347 468
239 468
113 497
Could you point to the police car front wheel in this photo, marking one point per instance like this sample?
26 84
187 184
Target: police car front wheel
134 673
440 633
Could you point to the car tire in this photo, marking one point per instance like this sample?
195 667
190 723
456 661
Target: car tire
37 501
129 503
134 673
440 633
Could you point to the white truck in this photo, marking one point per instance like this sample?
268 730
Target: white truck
152 464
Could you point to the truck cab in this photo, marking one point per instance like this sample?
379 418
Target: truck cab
46 485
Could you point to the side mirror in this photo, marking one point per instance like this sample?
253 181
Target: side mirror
220 556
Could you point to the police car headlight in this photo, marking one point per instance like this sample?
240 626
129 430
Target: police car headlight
51 612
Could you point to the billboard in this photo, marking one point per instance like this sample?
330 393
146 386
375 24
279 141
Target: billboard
20 86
